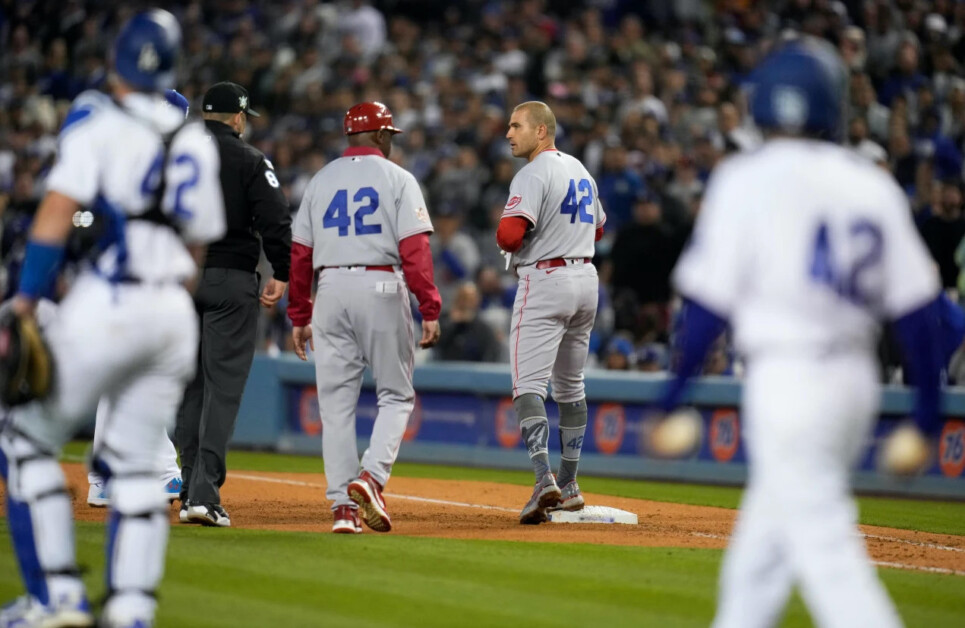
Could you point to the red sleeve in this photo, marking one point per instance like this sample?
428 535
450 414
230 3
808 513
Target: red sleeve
599 233
510 233
417 268
300 285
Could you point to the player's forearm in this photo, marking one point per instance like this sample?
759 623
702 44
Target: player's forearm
699 329
54 219
300 285
511 232
45 247
919 334
417 268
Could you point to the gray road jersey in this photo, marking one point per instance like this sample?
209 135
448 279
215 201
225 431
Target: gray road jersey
357 209
557 194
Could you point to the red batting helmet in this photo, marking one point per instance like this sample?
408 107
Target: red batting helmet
368 116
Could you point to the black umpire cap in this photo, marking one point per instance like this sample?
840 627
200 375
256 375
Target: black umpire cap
227 97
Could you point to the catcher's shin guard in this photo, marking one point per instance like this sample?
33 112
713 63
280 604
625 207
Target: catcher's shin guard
40 518
137 537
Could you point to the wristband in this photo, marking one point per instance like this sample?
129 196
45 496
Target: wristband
40 266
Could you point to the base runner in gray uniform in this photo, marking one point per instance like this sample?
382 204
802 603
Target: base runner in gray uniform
364 228
550 223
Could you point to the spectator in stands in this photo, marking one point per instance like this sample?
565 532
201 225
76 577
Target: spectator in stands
618 186
643 255
455 255
468 337
619 354
944 230
731 135
864 103
653 358
906 77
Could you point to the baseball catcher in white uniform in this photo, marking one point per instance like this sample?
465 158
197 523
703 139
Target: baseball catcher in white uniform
126 330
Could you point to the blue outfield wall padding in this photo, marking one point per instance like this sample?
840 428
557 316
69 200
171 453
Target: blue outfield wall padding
464 416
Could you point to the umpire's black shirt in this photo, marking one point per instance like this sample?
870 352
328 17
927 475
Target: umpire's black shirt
253 202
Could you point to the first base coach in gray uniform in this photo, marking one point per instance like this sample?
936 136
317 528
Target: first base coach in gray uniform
364 227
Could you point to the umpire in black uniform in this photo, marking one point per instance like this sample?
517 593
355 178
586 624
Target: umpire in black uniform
227 302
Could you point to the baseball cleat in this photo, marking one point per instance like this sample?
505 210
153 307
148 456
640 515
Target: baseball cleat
571 498
67 612
172 488
209 515
346 520
546 494
97 495
367 493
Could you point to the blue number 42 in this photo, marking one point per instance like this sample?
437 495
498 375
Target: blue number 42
337 214
846 280
573 206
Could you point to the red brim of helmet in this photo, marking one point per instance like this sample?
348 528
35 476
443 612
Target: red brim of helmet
384 128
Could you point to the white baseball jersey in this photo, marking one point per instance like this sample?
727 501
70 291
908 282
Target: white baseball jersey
357 209
120 179
559 197
805 245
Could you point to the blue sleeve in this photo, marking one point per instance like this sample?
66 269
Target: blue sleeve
920 336
699 327
952 326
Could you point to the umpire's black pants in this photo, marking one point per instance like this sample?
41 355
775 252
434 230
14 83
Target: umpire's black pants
227 303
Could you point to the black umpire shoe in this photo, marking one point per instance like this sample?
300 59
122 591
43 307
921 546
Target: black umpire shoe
209 515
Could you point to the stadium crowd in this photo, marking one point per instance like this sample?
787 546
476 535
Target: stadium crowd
648 95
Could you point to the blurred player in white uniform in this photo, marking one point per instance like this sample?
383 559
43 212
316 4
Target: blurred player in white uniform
549 225
126 330
364 228
170 473
804 246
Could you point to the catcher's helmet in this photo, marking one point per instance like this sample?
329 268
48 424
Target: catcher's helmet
800 88
146 50
368 116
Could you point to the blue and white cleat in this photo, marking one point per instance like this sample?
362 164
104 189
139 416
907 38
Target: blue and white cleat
172 488
27 612
97 495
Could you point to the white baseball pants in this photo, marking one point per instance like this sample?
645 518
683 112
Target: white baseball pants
806 422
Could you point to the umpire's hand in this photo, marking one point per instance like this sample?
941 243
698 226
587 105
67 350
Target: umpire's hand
273 292
301 336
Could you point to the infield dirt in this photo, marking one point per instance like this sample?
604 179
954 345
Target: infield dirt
488 510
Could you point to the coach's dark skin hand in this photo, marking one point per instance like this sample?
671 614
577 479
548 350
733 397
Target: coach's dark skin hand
302 336
430 334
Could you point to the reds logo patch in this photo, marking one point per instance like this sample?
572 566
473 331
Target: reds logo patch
514 201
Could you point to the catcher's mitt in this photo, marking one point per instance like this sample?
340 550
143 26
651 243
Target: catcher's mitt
26 370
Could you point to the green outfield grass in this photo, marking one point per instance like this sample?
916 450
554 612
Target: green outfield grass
258 578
